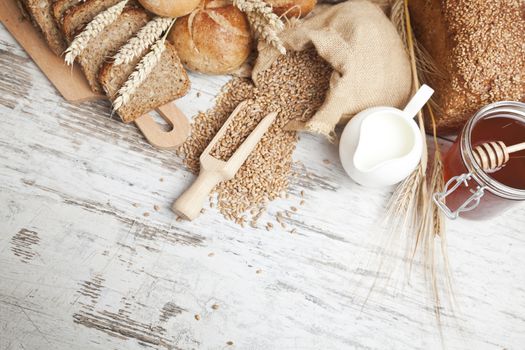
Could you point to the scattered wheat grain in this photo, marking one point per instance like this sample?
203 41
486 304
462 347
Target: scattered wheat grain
295 87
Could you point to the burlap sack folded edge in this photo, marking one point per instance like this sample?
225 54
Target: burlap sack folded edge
330 114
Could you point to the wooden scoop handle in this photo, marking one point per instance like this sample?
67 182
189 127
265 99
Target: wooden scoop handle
215 170
190 203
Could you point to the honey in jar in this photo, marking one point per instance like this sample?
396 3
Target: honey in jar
472 192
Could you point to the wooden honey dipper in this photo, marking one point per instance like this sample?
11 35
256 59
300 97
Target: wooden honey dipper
492 156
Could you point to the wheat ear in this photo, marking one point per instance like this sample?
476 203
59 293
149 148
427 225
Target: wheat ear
142 71
145 37
94 28
263 21
422 222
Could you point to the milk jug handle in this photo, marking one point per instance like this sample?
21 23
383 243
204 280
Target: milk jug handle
418 101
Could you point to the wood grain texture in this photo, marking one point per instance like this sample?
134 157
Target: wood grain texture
81 266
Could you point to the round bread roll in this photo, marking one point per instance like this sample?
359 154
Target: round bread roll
212 40
170 8
292 8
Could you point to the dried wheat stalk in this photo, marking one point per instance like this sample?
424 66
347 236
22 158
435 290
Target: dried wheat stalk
263 21
411 211
142 71
94 28
145 37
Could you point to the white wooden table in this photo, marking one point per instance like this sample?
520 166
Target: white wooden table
81 267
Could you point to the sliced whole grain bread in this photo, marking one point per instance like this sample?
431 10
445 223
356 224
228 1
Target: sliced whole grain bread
109 41
41 16
111 77
167 82
83 13
61 7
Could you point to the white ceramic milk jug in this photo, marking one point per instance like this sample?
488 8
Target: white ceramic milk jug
381 146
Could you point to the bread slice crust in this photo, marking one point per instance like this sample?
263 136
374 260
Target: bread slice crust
41 15
80 15
61 8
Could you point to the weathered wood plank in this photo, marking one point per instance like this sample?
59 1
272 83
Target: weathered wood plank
82 267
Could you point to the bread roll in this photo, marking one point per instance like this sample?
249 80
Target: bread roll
170 8
292 8
217 41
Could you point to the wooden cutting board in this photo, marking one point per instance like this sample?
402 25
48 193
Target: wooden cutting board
71 83
73 86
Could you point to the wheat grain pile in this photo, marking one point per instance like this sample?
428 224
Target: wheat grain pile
295 87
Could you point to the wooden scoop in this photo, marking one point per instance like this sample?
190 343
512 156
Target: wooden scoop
492 156
213 170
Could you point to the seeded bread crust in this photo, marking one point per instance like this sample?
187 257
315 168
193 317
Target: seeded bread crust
42 18
81 14
478 47
168 81
108 42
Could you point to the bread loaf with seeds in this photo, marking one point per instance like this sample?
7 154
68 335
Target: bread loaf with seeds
478 50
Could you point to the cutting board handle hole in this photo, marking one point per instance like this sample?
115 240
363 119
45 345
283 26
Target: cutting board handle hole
162 123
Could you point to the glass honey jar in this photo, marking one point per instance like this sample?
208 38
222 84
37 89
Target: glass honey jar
471 192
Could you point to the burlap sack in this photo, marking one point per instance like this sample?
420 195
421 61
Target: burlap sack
371 66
